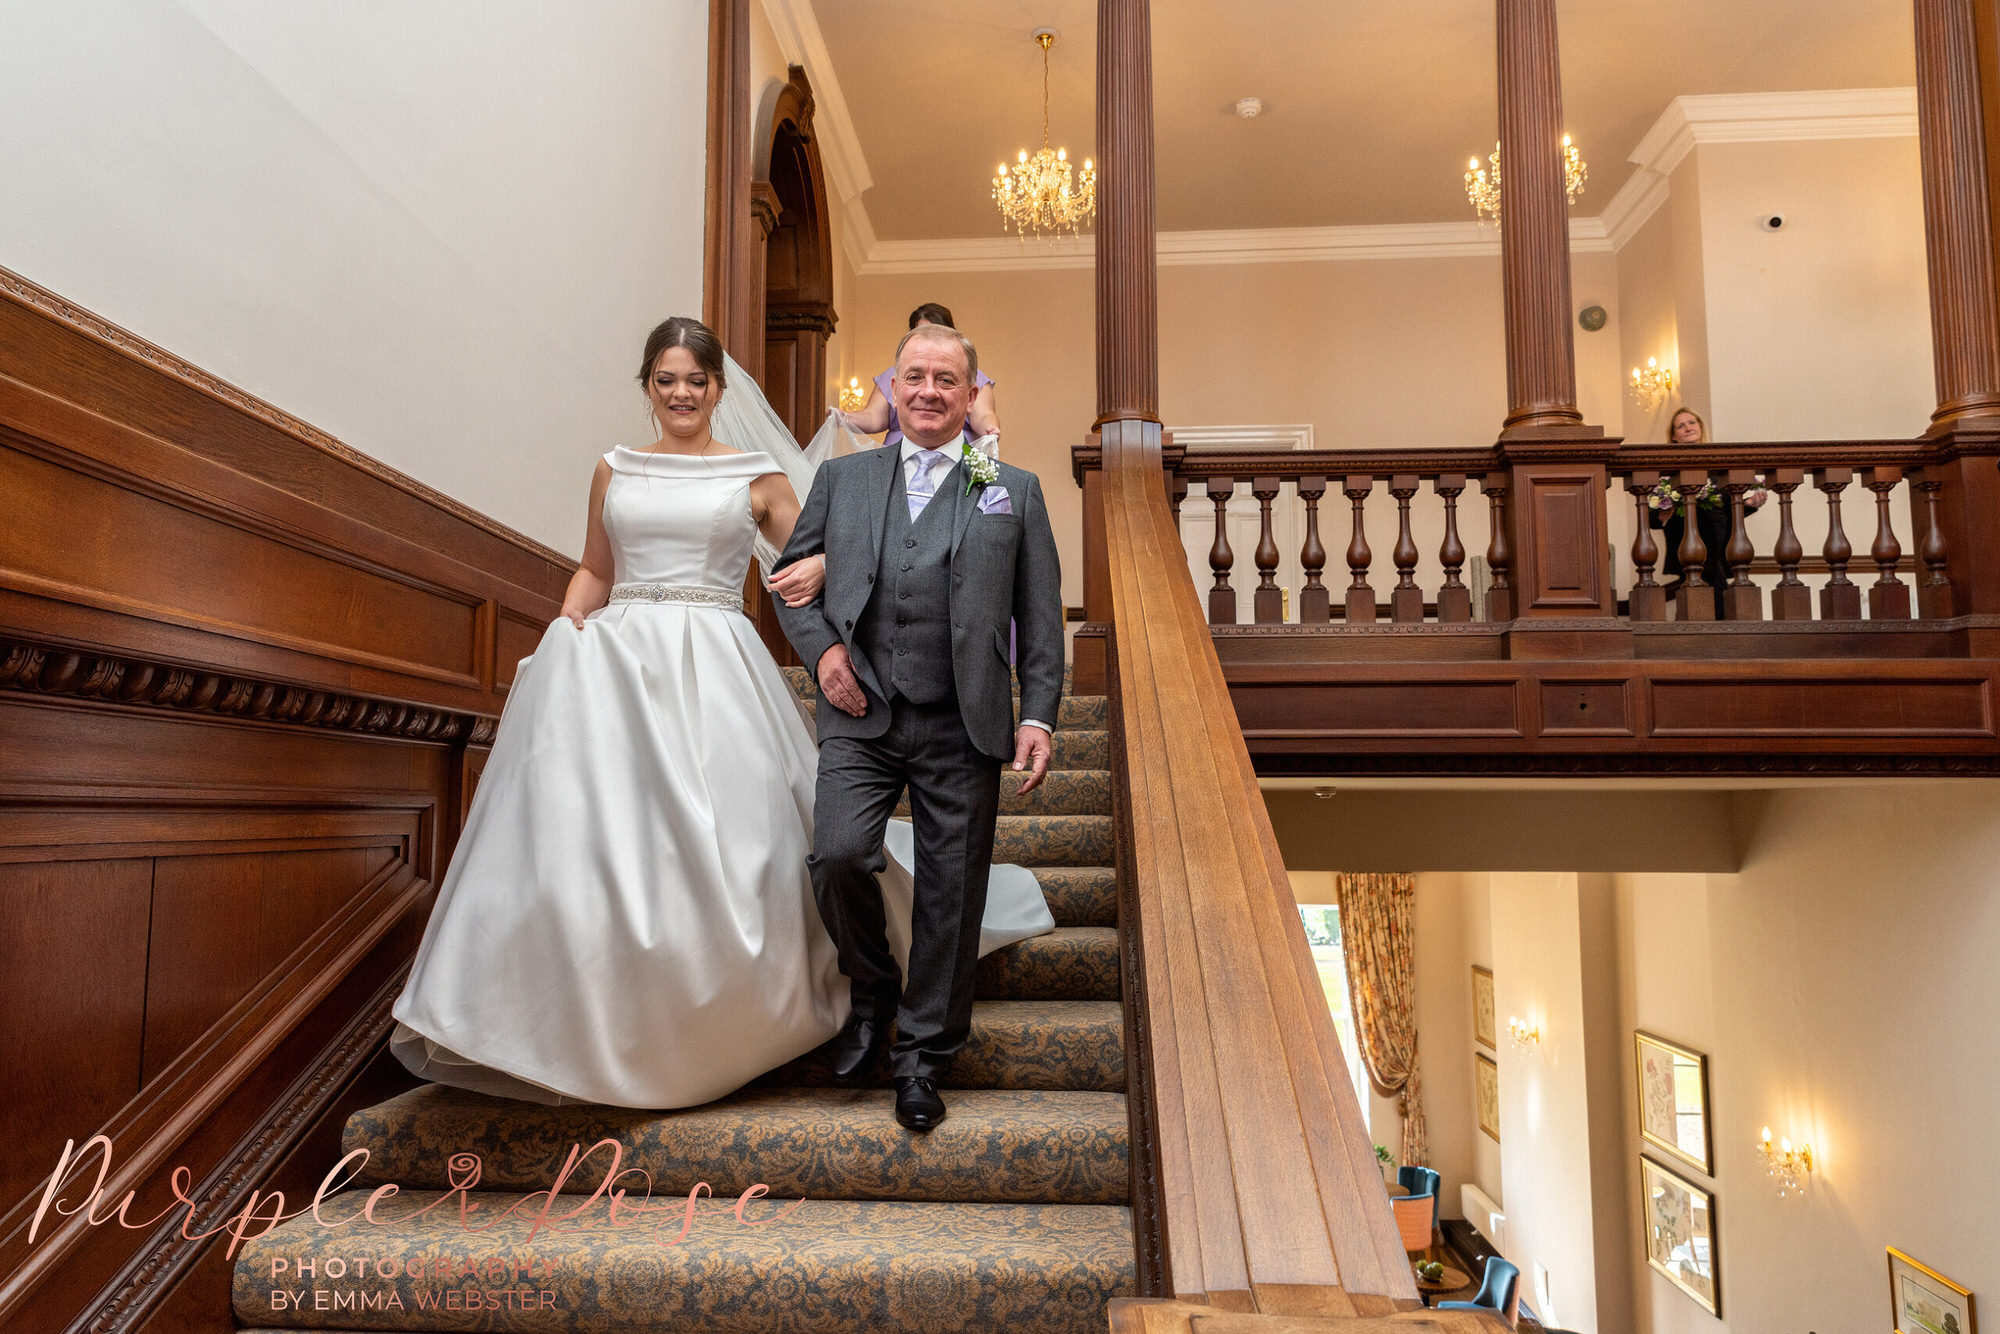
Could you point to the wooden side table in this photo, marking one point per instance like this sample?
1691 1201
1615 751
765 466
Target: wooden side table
1451 1281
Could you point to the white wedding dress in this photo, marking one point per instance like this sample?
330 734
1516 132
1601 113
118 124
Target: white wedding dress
628 918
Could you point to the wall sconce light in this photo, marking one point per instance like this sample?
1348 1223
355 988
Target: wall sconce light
1791 1168
1654 382
851 398
1524 1035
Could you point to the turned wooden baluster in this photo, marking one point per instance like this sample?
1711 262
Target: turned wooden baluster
1177 489
1499 556
1791 600
1934 600
1221 598
1454 598
1649 599
1840 599
1268 603
1315 602
1406 600
1693 600
1888 597
1742 600
1360 597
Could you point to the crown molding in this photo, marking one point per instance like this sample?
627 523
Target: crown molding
1839 113
1762 118
1271 245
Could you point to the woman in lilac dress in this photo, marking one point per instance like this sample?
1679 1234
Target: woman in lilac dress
878 412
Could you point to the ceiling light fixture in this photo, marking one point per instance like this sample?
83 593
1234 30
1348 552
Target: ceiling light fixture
1038 195
1482 184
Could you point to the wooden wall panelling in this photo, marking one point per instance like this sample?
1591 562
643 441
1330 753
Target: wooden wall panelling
247 678
73 988
76 357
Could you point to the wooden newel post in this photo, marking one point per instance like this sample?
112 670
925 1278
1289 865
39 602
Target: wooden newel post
1128 354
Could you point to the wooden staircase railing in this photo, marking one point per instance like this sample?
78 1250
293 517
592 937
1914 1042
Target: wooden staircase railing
1256 1189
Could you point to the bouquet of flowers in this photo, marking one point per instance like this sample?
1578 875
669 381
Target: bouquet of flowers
1666 498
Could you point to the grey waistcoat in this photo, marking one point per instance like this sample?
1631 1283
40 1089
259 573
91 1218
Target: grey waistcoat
906 630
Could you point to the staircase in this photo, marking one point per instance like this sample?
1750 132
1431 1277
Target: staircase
1012 1214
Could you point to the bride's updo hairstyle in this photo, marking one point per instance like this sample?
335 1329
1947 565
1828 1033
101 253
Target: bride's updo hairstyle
690 333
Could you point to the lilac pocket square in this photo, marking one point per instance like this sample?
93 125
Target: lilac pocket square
995 500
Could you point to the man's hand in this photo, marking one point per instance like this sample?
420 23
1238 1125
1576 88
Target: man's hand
1032 750
837 683
800 582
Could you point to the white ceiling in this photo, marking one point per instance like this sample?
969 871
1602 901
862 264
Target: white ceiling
1370 109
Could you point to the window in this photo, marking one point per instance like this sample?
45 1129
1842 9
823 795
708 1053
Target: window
1322 923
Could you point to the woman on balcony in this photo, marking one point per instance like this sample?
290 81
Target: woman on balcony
1711 517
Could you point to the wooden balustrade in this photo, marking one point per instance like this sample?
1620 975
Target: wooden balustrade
1720 567
1714 481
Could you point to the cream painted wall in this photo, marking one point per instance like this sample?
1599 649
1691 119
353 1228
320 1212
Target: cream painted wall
1444 1031
1545 1125
1357 348
1820 330
1650 324
1837 980
1840 985
438 231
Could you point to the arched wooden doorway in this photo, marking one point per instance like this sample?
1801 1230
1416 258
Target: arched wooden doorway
798 264
789 205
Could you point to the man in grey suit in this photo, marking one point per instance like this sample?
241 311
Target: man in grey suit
928 558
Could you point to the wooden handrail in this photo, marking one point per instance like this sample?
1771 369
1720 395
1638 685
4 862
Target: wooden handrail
1255 1165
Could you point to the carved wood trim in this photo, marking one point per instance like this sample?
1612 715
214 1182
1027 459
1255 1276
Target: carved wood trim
198 1081
34 297
54 670
167 1256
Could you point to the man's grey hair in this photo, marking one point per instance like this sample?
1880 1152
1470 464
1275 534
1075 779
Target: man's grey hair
943 333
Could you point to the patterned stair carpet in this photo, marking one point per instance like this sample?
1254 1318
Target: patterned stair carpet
1011 1215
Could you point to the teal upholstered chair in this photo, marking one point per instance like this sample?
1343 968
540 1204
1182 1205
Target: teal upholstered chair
1499 1291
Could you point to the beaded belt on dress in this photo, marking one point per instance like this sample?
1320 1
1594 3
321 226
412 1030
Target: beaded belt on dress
702 597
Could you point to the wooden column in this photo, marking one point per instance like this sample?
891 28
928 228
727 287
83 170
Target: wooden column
1534 223
1128 334
730 294
1558 509
1958 114
1958 228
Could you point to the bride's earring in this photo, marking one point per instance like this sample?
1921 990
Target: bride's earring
653 419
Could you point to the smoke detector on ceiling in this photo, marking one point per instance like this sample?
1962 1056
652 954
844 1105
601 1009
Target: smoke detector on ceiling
1248 107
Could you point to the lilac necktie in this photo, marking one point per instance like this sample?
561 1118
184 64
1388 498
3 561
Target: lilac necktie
923 485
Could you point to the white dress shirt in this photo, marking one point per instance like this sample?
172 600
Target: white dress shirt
954 453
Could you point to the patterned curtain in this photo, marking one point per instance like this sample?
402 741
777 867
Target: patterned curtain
1378 939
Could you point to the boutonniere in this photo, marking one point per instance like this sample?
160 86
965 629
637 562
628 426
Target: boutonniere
980 471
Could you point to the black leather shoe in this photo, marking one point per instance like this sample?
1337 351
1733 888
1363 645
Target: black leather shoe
918 1105
857 1047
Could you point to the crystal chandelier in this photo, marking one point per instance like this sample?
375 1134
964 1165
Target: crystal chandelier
1482 184
1037 194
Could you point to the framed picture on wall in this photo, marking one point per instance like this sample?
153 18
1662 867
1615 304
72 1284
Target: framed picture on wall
1673 1100
1680 1233
1485 1031
1486 1094
1923 1301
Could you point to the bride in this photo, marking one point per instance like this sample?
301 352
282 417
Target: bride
628 917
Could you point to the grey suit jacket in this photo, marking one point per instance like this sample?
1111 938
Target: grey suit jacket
1003 567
